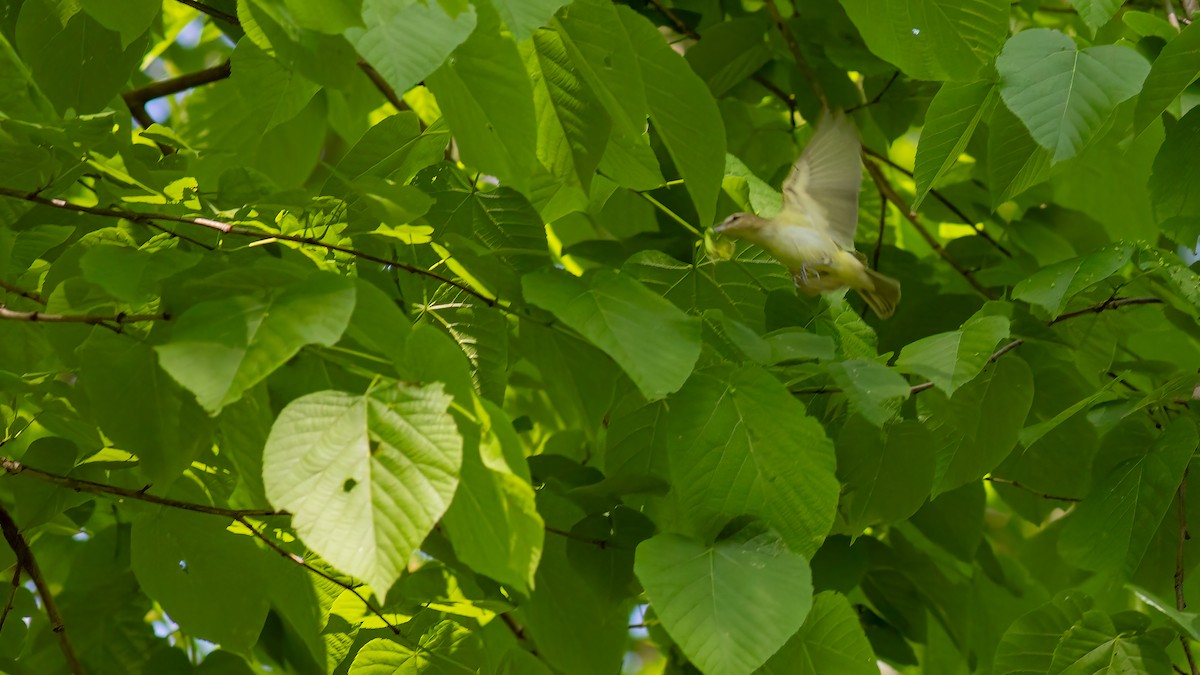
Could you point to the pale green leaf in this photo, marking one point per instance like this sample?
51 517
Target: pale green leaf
339 463
1112 528
1065 95
886 476
656 344
1028 645
830 641
1096 13
406 41
1177 65
949 123
950 360
740 444
1172 188
1051 288
874 390
978 427
524 17
932 39
729 606
487 99
220 348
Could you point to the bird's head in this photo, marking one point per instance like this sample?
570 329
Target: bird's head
739 225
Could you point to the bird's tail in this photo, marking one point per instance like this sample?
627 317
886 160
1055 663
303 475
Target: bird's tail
884 296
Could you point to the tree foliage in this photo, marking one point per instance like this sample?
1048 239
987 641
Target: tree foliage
390 336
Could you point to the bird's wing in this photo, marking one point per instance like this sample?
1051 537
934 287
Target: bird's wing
824 182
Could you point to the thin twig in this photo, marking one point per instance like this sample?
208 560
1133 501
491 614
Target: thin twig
12 594
319 572
1019 486
1180 603
228 228
598 543
679 24
13 467
945 201
136 99
1111 303
1005 349
883 209
121 318
882 182
26 561
794 48
17 290
212 11
877 97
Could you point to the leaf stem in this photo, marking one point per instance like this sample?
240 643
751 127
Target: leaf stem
120 318
1111 303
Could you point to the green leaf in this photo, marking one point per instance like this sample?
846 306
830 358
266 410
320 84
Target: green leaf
830 641
337 462
1095 645
978 427
932 39
1189 622
740 444
131 275
1051 288
140 408
730 52
1065 95
1112 528
1171 189
406 41
130 19
328 16
1096 13
1177 65
874 390
220 348
573 126
1015 161
729 606
183 560
656 344
683 113
950 360
487 99
949 123
1028 645
524 17
493 523
886 476
382 656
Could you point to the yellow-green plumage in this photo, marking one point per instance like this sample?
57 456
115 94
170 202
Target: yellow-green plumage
813 235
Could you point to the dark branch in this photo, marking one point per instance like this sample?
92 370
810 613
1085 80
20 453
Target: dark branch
136 99
1111 303
886 187
212 11
17 290
230 229
26 561
1180 603
959 213
119 319
794 48
13 467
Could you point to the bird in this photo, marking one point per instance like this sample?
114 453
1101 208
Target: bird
813 234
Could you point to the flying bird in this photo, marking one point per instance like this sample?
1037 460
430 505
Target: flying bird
813 234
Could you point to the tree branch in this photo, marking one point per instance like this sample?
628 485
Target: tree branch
230 229
945 201
886 187
1005 481
26 561
794 48
120 318
1111 303
136 99
212 11
17 290
13 468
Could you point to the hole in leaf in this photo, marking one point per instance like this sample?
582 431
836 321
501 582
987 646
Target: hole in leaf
183 566
349 485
